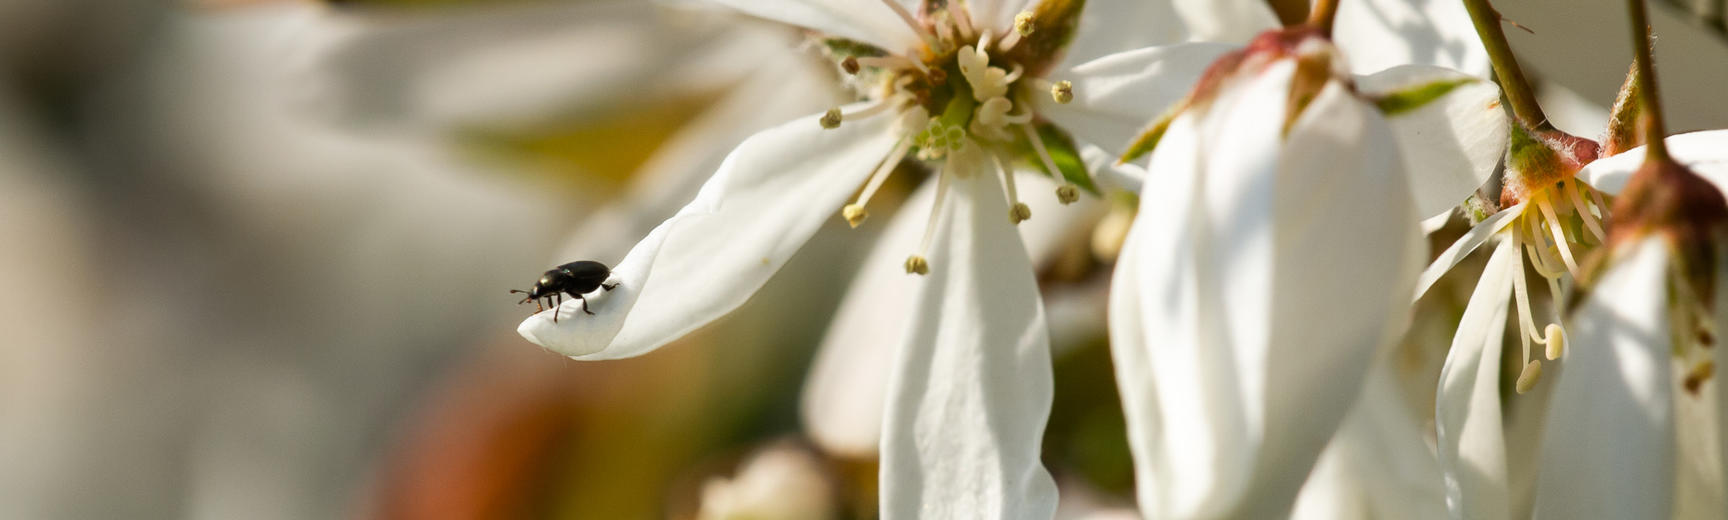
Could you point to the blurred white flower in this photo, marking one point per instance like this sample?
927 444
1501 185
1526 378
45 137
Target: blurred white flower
777 483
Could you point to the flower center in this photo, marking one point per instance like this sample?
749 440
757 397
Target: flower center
961 104
1557 220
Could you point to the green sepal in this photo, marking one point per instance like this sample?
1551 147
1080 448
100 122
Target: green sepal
1411 98
843 48
1148 139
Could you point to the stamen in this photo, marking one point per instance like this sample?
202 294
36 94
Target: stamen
1584 214
876 108
1527 378
855 212
1014 74
1017 211
1023 26
917 28
1066 193
891 62
917 264
1521 298
1541 264
1601 207
961 17
833 117
1062 91
1559 236
1556 341
944 31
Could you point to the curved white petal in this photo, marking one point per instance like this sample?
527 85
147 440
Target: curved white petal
848 382
1229 21
1116 96
1377 34
1463 247
766 199
1112 26
868 21
1705 152
1451 144
1378 465
971 389
1608 449
1233 378
1471 439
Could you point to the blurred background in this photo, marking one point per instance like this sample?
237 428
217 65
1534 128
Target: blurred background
254 258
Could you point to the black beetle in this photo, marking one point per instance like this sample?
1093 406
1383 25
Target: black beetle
575 278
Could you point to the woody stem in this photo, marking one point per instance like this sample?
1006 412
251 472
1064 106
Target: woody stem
1653 125
1511 77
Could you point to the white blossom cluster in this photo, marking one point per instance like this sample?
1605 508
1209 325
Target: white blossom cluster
1288 180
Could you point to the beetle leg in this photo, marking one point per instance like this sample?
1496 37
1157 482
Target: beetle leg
557 307
585 305
610 286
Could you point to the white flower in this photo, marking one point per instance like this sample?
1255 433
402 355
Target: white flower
1265 269
959 87
1453 121
778 483
1635 417
1556 212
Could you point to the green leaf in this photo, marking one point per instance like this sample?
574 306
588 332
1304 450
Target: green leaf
1414 97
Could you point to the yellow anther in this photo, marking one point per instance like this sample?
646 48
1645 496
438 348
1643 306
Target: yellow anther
850 65
1067 193
1527 378
1062 91
831 118
1023 23
1556 341
1019 213
916 264
854 214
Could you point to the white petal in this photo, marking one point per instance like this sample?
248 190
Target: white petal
1109 173
766 199
1608 449
1111 26
996 15
1378 466
1233 379
1721 322
1229 21
1377 34
1471 442
674 174
848 382
1450 145
1116 96
1171 226
867 21
1705 152
971 389
1463 247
